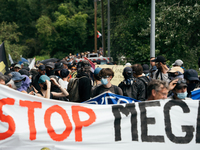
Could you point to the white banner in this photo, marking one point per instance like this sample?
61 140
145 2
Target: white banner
33 123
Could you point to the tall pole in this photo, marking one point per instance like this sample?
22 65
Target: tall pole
108 28
103 31
95 26
152 40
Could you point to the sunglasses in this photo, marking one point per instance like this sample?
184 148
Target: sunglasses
181 81
105 77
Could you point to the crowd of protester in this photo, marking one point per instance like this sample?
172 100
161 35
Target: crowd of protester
67 80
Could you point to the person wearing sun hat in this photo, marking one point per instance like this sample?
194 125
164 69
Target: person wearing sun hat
16 80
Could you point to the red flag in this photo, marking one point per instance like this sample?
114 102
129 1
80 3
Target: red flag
91 63
99 34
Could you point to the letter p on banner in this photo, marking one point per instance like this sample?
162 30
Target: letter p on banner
78 123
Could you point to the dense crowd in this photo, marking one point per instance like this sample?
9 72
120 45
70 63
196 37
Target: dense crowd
67 80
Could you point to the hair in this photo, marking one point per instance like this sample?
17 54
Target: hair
106 72
155 85
2 78
137 69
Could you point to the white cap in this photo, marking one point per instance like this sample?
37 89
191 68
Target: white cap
128 64
178 62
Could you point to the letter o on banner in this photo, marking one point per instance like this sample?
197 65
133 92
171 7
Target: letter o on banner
65 117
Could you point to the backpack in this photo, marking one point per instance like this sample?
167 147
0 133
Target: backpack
145 80
73 89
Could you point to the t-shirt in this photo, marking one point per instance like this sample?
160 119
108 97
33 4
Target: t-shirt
66 84
101 89
161 76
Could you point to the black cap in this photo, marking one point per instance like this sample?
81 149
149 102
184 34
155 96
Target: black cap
64 62
159 59
181 83
145 68
24 72
42 67
127 70
191 75
50 64
58 66
64 73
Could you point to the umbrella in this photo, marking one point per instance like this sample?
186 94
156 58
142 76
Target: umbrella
23 60
49 60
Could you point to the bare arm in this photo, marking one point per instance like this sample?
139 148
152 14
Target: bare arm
64 92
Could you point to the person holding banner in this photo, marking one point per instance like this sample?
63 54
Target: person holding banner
180 90
157 89
106 75
45 84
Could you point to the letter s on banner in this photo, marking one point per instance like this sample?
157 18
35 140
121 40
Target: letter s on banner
8 119
78 123
65 117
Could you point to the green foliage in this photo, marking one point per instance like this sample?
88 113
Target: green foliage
10 36
43 57
56 28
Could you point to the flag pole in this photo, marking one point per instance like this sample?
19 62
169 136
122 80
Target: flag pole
95 26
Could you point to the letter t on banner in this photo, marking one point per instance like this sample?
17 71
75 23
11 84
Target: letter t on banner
31 120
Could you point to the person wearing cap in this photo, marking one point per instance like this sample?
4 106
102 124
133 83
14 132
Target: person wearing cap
162 69
16 80
128 64
180 90
85 82
64 73
50 68
58 67
192 79
45 84
138 73
106 75
175 72
178 63
25 84
17 67
145 68
73 72
131 87
35 79
65 64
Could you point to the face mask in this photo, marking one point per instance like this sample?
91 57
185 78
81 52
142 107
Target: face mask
191 87
182 95
128 81
18 84
104 81
45 87
49 72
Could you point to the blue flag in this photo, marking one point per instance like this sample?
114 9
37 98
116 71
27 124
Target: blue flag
196 94
110 98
